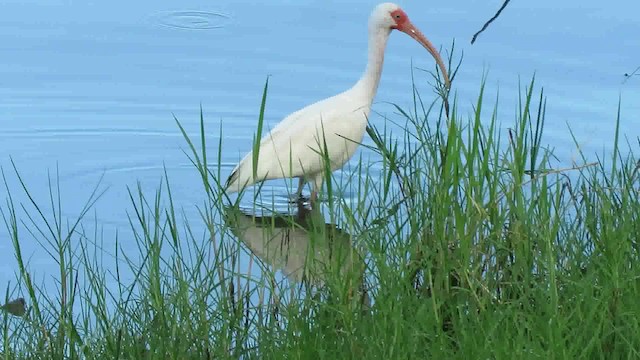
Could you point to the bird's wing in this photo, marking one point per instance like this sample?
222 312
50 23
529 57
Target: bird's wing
291 148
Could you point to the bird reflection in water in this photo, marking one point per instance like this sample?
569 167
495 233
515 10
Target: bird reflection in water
302 246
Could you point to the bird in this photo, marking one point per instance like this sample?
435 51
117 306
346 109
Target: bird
17 307
326 134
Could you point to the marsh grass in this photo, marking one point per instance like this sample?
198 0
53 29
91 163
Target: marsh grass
474 246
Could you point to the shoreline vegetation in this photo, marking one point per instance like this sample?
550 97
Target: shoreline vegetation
468 243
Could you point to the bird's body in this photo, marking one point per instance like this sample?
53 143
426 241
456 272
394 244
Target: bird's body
295 147
330 129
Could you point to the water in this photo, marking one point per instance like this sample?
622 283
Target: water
90 88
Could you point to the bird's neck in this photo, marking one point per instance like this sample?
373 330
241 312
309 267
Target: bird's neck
369 81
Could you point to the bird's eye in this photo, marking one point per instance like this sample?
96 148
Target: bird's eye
398 16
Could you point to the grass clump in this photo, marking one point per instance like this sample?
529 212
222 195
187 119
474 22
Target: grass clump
464 241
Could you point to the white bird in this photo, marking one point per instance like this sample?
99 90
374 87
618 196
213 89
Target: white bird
330 129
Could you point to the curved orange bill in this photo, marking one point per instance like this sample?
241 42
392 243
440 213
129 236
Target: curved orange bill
413 31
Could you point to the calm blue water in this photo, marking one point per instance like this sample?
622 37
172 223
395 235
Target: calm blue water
90 87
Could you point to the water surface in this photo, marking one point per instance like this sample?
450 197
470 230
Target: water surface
91 88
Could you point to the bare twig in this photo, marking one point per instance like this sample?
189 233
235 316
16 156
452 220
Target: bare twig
543 174
486 25
635 72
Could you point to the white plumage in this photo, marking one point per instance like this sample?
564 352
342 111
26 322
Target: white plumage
296 146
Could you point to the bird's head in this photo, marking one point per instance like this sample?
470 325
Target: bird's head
390 16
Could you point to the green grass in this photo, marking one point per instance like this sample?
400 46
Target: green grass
469 243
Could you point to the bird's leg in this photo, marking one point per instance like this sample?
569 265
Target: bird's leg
298 198
300 187
316 186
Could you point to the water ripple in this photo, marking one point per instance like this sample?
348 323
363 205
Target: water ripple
190 19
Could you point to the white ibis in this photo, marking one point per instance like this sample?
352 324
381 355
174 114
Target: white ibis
330 129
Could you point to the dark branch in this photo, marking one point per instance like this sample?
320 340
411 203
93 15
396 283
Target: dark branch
635 72
486 25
